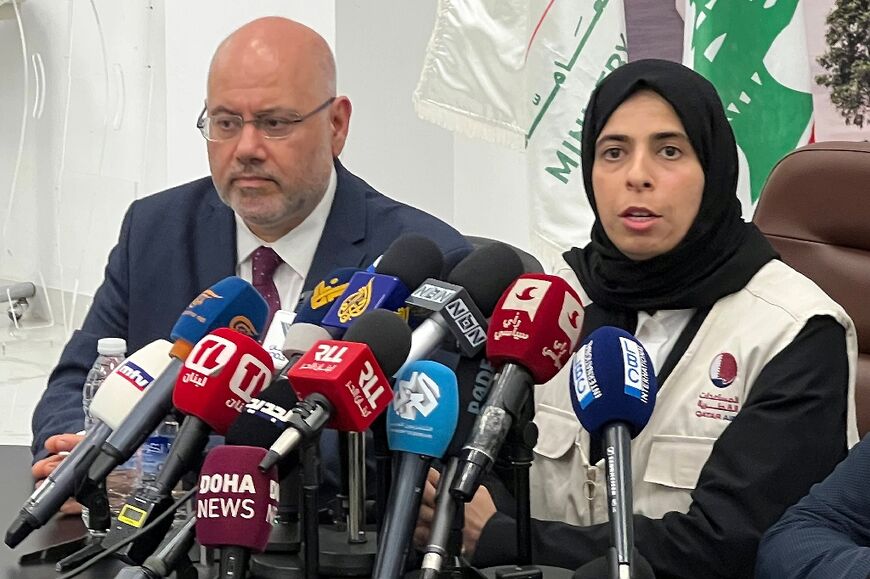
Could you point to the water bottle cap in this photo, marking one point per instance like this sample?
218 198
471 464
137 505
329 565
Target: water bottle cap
112 347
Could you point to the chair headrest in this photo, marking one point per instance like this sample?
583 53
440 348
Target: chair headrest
820 193
815 210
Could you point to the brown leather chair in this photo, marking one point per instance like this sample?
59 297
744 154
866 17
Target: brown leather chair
815 210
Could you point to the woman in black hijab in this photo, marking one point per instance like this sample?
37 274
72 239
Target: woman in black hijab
755 364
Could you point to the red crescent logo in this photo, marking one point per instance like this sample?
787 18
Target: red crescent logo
527 294
573 318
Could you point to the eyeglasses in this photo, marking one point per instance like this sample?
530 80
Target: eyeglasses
225 126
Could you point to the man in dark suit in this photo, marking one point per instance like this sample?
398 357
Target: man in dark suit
275 128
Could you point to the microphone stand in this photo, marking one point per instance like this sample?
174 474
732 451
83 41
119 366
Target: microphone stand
345 548
517 450
282 558
95 498
383 469
310 513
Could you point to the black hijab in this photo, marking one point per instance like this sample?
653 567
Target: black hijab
719 254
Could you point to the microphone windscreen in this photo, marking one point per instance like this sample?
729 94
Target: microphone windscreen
422 417
264 418
411 258
612 380
300 337
486 273
236 502
388 337
126 384
536 325
324 293
223 372
230 303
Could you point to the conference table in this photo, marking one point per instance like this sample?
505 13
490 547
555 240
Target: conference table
16 485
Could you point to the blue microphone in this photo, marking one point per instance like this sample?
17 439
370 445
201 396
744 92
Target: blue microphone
318 303
405 265
613 389
420 425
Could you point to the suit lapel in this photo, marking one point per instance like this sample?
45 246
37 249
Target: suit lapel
341 242
214 248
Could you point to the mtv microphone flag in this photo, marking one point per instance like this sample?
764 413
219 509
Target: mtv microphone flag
755 54
519 73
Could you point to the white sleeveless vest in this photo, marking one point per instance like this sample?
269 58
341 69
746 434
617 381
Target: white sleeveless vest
740 335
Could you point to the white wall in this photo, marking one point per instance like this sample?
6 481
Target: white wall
191 40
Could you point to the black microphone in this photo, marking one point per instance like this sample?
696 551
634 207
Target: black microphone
171 554
474 379
459 306
613 390
261 423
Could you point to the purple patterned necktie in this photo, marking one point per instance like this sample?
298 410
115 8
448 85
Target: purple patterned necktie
265 261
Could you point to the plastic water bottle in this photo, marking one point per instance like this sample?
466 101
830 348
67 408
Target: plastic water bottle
110 354
156 447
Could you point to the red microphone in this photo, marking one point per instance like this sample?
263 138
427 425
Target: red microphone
532 333
536 325
349 374
223 372
235 506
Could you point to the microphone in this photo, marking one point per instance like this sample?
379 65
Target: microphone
299 339
112 403
408 261
343 384
168 557
235 506
231 302
474 378
612 387
533 331
459 307
264 418
223 372
327 290
420 424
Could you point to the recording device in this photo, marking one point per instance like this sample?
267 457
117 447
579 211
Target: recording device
420 423
612 387
112 403
223 372
235 506
231 303
408 261
459 307
532 332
